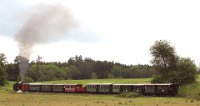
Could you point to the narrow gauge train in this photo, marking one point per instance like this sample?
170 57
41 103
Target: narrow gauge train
100 88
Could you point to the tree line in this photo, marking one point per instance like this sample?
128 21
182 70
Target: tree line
167 67
77 68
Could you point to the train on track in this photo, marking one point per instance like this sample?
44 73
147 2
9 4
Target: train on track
100 88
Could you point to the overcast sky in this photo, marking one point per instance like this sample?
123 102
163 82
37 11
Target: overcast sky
113 30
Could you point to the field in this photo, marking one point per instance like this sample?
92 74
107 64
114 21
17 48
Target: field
188 96
135 80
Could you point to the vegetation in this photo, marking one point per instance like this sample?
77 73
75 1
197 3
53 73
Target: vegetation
167 68
190 90
171 68
122 81
78 68
129 95
3 76
49 99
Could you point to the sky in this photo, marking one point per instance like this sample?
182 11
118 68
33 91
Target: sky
113 30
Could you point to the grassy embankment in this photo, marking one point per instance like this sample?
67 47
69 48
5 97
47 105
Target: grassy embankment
191 90
187 96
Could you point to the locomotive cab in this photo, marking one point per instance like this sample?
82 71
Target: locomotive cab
17 86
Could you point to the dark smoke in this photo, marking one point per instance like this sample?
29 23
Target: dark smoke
23 66
45 24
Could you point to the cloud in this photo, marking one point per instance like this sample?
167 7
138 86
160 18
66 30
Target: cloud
8 47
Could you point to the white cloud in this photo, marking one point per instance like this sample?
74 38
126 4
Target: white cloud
8 47
126 29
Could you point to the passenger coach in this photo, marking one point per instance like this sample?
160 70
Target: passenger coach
105 88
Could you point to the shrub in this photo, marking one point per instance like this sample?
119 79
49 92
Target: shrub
28 79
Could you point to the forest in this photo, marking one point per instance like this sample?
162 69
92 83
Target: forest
77 68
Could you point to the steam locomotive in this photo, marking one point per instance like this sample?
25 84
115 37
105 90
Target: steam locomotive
100 88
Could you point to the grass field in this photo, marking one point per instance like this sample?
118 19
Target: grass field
51 99
187 96
135 80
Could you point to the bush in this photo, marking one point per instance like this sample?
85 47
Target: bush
129 94
28 79
156 79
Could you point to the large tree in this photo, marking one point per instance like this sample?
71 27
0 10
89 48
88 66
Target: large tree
3 77
164 57
169 66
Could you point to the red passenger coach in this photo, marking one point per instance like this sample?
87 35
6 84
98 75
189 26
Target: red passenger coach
70 88
74 88
25 87
80 88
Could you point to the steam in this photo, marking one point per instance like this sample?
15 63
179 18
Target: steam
47 23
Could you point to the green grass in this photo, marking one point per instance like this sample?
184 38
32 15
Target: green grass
7 88
135 80
191 90
188 96
53 99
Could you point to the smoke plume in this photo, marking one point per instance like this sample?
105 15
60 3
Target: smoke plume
45 24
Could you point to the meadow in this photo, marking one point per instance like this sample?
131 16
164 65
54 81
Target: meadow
135 80
188 96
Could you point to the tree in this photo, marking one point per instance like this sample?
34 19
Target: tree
102 69
117 71
93 75
164 58
75 72
163 55
169 66
3 77
188 70
13 72
47 72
